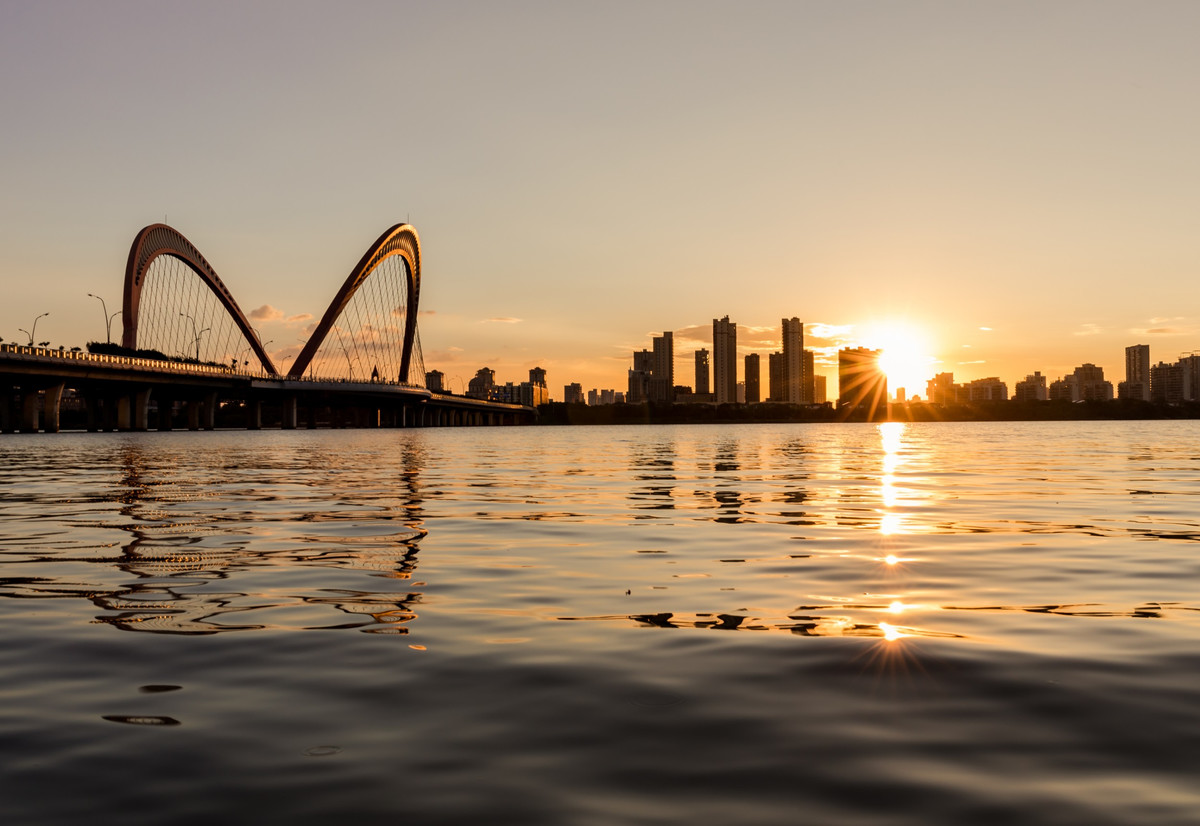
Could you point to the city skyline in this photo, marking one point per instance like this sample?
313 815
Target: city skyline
1009 182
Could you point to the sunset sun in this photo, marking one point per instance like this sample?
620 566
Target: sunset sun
906 359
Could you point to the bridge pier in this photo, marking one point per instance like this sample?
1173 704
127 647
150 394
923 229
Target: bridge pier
51 406
29 411
287 413
166 410
254 414
133 410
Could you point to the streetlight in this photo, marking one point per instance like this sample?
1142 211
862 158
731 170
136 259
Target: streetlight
31 335
195 340
107 318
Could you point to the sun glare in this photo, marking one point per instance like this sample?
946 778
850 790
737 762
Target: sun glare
905 360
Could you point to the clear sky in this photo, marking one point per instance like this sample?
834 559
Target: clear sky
1017 183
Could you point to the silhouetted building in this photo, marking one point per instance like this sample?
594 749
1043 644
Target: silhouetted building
808 390
1191 369
1171 383
573 393
537 375
792 332
638 389
702 372
1086 383
941 389
1031 389
434 381
775 377
753 393
820 396
1137 384
990 389
481 386
724 360
662 373
861 382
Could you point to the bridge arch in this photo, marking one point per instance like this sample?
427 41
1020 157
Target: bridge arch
398 242
159 240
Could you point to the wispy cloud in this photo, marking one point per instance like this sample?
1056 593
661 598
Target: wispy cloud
1089 329
299 318
986 329
976 361
502 320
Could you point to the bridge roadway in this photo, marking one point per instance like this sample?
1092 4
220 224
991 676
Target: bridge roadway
40 387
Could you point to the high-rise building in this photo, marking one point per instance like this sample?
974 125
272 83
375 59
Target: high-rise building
537 375
573 393
1137 372
639 377
793 362
753 393
1171 383
775 377
990 389
1032 389
662 372
808 394
819 394
701 372
724 360
861 382
435 381
481 386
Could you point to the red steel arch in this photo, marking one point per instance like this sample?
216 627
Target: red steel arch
160 239
402 240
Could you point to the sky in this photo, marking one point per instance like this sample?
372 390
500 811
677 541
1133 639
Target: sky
1014 186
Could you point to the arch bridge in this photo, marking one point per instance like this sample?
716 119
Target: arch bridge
190 356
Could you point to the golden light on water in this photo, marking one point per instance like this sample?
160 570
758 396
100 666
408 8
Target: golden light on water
891 633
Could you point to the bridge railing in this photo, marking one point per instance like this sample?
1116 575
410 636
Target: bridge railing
182 368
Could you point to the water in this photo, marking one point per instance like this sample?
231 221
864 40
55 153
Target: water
770 624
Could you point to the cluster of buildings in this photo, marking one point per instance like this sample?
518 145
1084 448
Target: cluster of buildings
531 393
1163 383
790 377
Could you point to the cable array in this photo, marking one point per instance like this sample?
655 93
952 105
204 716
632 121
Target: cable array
367 341
180 316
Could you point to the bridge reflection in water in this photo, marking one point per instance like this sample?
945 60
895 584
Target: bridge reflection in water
190 358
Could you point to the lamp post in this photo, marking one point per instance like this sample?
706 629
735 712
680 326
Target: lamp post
34 333
107 318
196 336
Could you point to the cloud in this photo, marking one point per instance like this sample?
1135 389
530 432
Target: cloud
299 318
827 331
986 329
502 320
1089 329
266 313
976 361
1164 331
426 312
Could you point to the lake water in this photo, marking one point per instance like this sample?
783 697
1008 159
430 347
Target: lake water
766 624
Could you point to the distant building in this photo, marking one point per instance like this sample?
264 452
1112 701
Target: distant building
753 393
775 373
638 389
1091 384
1032 388
702 371
1171 383
724 360
820 396
662 372
481 386
573 393
537 375
990 389
941 389
792 332
808 394
861 382
1191 367
434 381
1137 373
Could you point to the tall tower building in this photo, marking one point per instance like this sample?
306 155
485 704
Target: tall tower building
861 382
793 362
662 373
725 360
702 372
1137 371
775 377
753 393
808 391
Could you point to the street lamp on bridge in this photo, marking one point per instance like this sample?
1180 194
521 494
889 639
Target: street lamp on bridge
31 335
196 339
107 318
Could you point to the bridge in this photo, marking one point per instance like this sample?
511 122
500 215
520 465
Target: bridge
189 357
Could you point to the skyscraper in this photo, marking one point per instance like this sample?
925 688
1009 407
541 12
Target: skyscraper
861 382
725 360
1137 372
702 372
753 393
662 373
793 362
